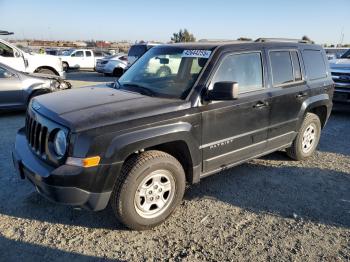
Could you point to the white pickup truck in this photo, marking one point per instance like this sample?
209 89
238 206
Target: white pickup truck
80 59
16 58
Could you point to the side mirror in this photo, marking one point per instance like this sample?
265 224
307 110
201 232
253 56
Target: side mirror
224 91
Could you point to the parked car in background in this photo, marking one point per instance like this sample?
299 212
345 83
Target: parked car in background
137 50
17 88
112 65
29 62
136 144
81 59
340 69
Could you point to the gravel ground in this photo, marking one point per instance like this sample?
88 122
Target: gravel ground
271 208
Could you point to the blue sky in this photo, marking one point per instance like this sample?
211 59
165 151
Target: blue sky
133 20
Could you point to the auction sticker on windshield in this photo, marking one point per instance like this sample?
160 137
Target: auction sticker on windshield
196 53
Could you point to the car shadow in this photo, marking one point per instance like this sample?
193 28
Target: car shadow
12 250
313 194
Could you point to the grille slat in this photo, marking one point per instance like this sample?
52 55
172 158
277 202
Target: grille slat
36 135
43 139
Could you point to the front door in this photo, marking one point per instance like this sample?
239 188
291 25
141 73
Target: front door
11 91
236 130
11 57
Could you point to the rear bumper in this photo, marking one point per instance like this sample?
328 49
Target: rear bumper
56 184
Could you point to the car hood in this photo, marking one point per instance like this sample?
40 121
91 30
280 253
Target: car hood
340 63
91 107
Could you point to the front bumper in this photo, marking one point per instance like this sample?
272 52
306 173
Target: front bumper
59 184
62 74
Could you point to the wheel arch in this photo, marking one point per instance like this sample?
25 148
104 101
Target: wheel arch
174 139
48 68
321 105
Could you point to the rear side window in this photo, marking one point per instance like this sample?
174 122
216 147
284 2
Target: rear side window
245 69
88 53
282 69
314 64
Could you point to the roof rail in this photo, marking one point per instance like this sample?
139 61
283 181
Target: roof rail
262 40
217 40
5 33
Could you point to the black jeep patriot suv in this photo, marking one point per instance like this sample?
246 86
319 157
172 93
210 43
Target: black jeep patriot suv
180 113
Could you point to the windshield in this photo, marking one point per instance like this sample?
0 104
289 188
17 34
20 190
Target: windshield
165 72
346 55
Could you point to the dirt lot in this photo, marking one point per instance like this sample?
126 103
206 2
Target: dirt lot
268 209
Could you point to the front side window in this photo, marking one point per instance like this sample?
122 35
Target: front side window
165 72
78 54
4 73
314 64
6 51
282 69
245 69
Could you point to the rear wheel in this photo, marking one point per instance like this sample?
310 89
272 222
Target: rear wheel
150 186
118 72
305 143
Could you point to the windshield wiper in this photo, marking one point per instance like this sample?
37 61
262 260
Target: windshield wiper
138 88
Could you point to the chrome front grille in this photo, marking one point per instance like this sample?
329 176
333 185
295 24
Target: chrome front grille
37 135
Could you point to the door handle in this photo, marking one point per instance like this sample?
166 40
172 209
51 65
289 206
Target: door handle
261 104
301 95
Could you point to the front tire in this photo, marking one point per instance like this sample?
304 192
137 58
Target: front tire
65 66
150 186
305 143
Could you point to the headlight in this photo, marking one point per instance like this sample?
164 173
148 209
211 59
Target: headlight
60 143
54 85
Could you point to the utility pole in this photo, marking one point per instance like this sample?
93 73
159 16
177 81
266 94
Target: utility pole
341 36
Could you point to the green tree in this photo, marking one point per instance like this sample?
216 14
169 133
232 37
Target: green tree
306 38
183 36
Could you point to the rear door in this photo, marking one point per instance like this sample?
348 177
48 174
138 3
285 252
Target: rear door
89 61
288 92
235 130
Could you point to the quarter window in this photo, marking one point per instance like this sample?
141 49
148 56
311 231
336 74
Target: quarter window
296 66
315 65
281 65
245 69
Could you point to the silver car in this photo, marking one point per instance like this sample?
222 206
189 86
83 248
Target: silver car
17 88
112 65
